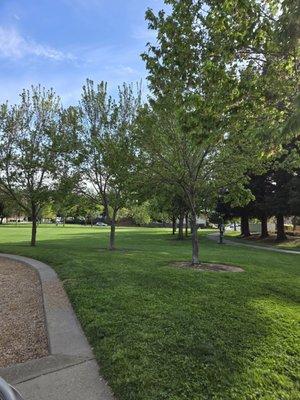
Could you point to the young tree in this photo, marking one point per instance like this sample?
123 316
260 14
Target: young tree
183 131
107 147
30 142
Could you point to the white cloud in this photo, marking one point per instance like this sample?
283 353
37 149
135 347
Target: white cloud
14 46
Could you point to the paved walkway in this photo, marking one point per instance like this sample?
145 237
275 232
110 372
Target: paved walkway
215 237
70 372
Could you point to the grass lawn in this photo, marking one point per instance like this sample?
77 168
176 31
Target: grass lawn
164 333
293 243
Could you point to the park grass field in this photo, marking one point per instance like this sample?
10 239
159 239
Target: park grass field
164 333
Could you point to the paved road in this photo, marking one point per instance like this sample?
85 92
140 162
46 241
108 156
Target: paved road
70 372
215 237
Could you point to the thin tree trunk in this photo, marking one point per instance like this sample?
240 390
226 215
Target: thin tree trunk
195 243
186 224
280 228
1 220
180 226
245 230
112 234
113 231
33 231
264 227
173 225
234 226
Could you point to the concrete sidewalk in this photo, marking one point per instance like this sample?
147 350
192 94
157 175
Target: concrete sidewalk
215 237
70 372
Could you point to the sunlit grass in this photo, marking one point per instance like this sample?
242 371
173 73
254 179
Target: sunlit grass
164 333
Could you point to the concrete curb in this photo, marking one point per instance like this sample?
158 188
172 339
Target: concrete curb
70 372
215 237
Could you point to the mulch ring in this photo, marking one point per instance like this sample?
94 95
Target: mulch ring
207 267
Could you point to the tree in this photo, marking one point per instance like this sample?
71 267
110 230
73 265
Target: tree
31 140
262 40
6 206
183 130
48 212
141 213
108 151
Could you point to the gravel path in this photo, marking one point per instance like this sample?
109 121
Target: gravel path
22 327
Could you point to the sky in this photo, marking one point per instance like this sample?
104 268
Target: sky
61 43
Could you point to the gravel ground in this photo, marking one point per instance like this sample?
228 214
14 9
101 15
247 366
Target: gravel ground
23 333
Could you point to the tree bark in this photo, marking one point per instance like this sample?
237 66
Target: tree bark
245 230
280 228
186 225
195 242
173 225
112 231
112 235
1 220
180 226
264 227
33 231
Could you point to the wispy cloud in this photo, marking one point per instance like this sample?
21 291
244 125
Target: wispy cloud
15 46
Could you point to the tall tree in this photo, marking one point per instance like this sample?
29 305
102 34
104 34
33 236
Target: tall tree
183 131
107 147
30 143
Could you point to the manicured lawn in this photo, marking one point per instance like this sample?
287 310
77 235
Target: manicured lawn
293 243
165 333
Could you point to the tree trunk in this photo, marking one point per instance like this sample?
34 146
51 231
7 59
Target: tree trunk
280 228
234 226
33 231
245 230
173 225
264 227
113 231
112 235
1 220
195 243
180 226
186 225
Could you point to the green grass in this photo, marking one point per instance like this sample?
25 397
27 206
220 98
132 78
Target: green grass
293 243
164 333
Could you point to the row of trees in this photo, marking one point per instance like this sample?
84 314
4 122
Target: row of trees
223 81
277 193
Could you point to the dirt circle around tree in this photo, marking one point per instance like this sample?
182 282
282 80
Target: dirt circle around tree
207 267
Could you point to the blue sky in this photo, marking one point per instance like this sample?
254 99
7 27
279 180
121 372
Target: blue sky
60 43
